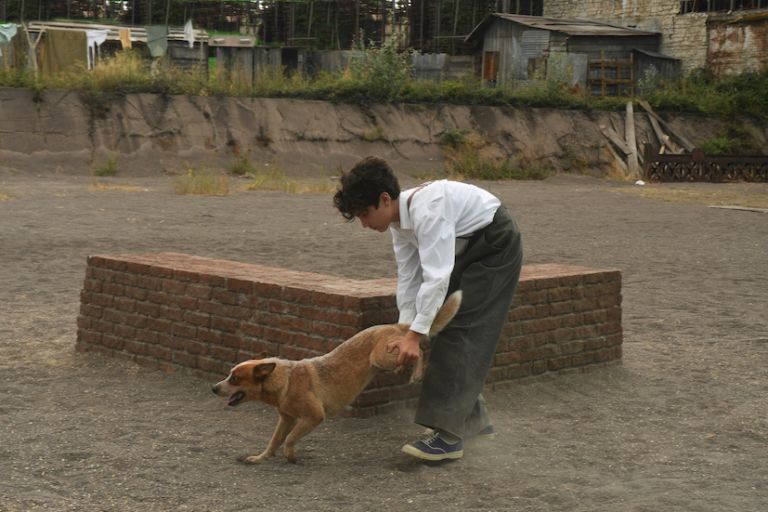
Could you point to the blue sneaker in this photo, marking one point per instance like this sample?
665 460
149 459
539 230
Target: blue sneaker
433 447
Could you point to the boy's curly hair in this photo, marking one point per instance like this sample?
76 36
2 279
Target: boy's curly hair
362 186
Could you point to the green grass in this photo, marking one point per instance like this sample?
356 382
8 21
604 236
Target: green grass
383 76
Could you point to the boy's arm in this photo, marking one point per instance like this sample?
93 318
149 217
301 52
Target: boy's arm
408 276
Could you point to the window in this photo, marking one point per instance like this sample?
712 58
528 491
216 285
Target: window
525 7
687 6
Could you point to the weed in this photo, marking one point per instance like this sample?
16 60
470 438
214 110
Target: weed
263 139
109 168
241 166
375 134
272 178
454 137
466 161
5 197
204 183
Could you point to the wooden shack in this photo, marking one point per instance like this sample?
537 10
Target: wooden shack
593 55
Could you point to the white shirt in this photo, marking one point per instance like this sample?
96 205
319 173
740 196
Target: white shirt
425 243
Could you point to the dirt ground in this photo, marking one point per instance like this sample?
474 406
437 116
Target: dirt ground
681 425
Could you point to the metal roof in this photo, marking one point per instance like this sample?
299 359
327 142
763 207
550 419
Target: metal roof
572 27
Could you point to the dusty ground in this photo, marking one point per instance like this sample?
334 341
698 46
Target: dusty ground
681 425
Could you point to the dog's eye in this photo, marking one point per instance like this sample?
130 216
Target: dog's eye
234 379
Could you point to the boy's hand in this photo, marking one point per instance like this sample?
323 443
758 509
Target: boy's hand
408 347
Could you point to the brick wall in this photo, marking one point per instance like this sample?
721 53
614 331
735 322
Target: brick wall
175 311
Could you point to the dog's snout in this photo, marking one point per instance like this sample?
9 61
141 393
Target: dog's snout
215 389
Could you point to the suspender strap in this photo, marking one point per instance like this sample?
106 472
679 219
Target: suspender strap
410 197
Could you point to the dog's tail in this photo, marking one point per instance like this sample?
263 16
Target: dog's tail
447 312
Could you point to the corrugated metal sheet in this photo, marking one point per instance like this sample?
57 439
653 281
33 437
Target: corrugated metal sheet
534 43
573 27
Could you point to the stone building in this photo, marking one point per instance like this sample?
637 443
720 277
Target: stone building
724 36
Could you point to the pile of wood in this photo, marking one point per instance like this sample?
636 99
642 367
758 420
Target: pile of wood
624 149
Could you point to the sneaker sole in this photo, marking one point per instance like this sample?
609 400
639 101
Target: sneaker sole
415 452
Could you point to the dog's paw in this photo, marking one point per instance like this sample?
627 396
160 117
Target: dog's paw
251 459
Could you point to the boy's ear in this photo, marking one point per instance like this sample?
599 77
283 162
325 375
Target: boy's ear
384 199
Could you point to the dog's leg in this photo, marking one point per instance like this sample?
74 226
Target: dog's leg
418 369
284 425
303 427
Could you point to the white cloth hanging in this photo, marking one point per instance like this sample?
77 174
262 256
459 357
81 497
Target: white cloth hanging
7 31
189 33
95 38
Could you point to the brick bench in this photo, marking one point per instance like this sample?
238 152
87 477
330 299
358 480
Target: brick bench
175 311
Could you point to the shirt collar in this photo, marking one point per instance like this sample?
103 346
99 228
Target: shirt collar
406 222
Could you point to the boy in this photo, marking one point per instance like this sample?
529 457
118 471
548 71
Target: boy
447 236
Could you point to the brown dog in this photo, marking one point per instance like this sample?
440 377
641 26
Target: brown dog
306 392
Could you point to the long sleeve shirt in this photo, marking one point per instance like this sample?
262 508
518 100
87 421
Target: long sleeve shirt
432 218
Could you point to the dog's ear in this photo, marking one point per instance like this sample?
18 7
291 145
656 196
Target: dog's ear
260 371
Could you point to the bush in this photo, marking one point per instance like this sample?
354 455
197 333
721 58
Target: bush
384 72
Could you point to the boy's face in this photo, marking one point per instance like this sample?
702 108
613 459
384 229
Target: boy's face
378 217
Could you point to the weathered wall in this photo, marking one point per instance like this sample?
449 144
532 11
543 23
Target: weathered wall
683 36
58 131
723 43
738 43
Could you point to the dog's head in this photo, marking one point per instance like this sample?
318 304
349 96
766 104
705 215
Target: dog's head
245 381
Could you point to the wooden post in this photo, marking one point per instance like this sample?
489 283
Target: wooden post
629 132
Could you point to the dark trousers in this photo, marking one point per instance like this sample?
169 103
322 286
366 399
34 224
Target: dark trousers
487 272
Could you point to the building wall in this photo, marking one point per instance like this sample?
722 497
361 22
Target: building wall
683 36
738 44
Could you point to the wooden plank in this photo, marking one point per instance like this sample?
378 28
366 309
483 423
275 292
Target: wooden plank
629 133
618 159
612 136
742 208
688 145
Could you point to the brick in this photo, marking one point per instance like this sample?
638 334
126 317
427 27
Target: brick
125 331
159 352
149 309
159 325
135 347
136 293
225 297
149 283
283 308
148 336
93 285
199 291
227 354
91 310
197 319
295 353
100 299
124 304
83 322
184 330
240 286
257 347
224 324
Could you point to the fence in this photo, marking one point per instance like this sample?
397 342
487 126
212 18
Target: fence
697 166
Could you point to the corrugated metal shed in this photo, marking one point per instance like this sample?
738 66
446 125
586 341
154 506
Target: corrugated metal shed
589 54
